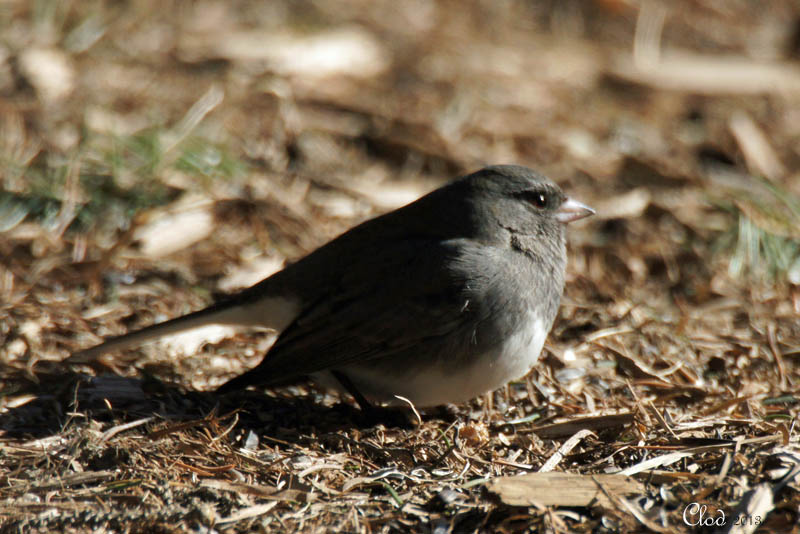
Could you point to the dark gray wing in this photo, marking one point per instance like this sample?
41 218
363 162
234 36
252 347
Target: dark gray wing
405 295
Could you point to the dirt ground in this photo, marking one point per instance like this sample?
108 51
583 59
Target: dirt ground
155 155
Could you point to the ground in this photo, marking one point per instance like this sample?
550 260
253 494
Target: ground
157 155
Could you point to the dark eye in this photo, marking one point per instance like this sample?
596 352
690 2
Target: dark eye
536 198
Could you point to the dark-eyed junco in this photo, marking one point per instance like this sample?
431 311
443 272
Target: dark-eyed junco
439 301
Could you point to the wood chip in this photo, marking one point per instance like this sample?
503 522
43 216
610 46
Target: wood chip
756 148
175 228
562 489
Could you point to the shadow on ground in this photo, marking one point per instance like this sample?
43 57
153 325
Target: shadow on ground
60 397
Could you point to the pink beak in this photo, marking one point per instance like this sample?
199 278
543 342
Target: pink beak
572 210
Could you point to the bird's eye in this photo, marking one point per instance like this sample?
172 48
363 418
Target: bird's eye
537 199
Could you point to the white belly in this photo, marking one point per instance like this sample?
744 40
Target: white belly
441 384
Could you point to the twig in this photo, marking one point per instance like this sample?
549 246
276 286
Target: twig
113 431
623 504
562 451
413 408
661 420
777 354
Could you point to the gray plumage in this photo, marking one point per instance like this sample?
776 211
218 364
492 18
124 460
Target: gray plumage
438 301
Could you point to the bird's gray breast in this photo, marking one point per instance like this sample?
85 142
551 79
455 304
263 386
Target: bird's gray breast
512 296
507 302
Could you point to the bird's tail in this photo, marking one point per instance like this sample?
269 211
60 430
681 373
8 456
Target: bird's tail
203 317
268 313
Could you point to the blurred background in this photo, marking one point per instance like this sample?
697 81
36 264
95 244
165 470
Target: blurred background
156 153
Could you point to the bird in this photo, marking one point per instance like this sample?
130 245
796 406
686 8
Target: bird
436 302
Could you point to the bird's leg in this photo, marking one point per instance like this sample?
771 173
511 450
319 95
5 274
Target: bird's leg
373 414
348 385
